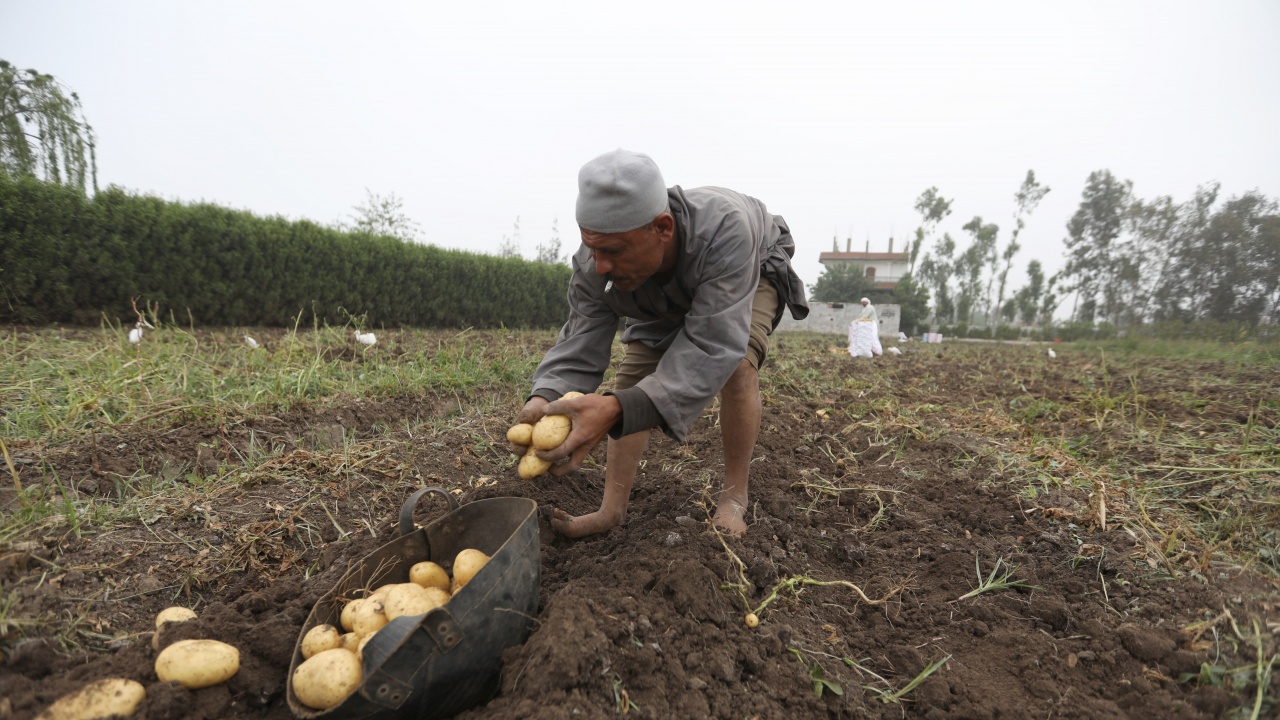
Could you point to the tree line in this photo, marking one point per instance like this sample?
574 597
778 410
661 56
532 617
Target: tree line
68 257
1130 262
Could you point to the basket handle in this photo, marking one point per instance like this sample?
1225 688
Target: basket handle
406 511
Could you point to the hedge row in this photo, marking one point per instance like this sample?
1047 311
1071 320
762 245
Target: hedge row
66 257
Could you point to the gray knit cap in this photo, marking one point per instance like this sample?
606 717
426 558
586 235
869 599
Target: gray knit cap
619 191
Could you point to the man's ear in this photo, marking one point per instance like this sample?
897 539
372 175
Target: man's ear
665 226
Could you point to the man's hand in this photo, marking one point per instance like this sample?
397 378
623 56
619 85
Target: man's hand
591 416
532 412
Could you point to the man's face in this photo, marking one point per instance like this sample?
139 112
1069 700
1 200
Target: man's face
630 258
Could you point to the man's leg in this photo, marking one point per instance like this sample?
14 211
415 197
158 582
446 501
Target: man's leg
623 460
740 410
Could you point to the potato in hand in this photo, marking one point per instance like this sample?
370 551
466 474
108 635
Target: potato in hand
548 433
531 466
521 434
552 430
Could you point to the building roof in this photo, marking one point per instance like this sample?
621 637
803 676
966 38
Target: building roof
867 256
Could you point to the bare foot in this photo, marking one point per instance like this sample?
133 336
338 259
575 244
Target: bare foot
731 516
578 526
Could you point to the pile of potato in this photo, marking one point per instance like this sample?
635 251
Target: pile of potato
332 666
194 664
548 434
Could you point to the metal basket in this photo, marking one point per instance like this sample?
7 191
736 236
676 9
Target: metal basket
443 662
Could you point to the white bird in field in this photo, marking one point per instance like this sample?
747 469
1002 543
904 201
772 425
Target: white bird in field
1052 354
902 337
895 351
135 335
366 339
253 344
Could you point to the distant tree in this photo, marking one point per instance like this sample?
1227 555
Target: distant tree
1153 227
1027 198
1009 311
935 271
510 247
913 301
382 216
1050 300
1027 299
43 131
1239 254
1094 265
969 267
932 208
1269 251
842 282
1175 298
549 252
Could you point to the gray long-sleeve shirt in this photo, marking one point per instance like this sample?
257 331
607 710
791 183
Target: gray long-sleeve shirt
700 316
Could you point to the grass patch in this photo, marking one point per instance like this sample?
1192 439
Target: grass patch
1246 352
58 384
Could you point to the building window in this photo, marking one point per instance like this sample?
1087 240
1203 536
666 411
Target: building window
871 272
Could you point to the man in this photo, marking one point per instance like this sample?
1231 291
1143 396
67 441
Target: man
864 332
869 313
702 277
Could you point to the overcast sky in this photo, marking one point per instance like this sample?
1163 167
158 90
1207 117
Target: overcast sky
835 114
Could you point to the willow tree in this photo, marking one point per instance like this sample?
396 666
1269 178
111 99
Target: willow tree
43 132
1027 198
932 208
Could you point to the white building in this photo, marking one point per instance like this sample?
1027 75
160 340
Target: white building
885 268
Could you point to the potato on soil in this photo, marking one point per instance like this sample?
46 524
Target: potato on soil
196 664
324 681
428 574
467 564
318 639
174 614
101 699
520 434
531 466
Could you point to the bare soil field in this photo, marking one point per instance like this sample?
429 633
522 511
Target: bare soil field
956 532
